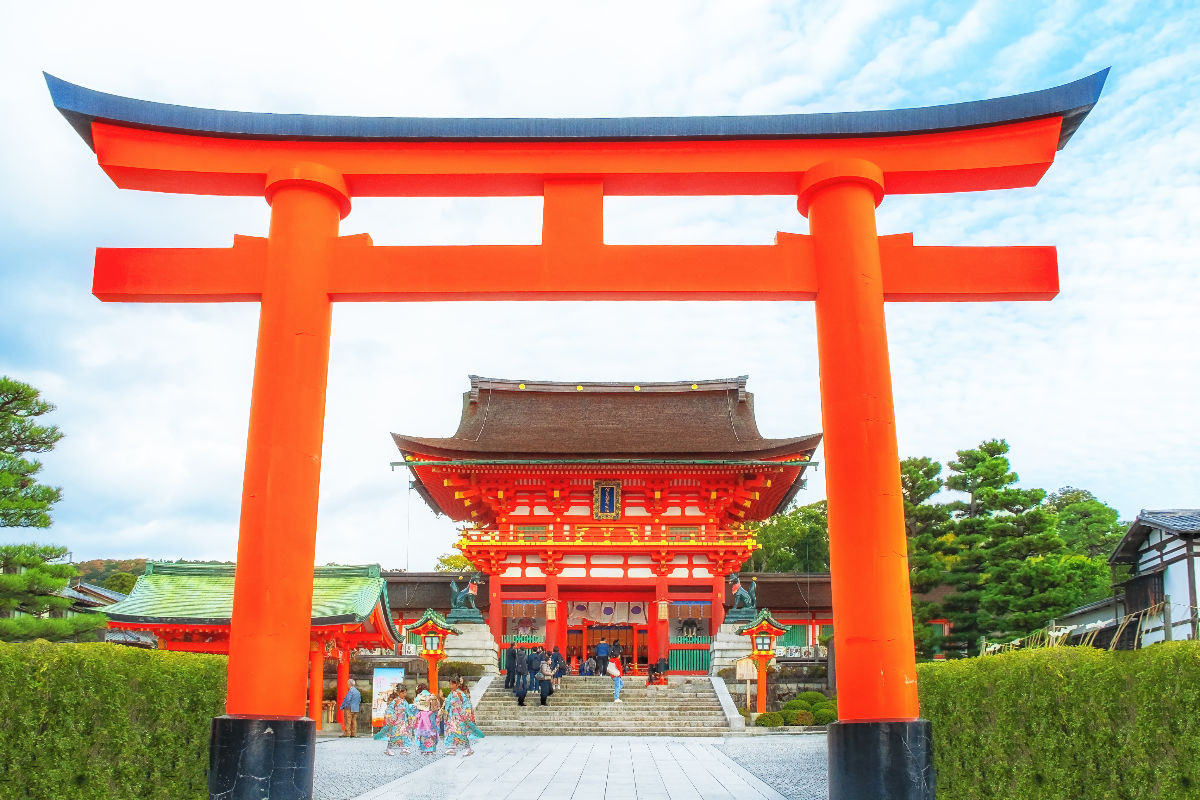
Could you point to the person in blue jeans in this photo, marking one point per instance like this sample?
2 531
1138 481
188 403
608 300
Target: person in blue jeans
602 657
614 672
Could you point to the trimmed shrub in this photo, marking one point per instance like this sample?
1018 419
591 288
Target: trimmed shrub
803 718
105 722
744 712
824 715
796 704
812 698
789 716
771 719
464 669
1062 723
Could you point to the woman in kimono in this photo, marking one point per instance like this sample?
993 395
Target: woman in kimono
425 728
460 719
399 719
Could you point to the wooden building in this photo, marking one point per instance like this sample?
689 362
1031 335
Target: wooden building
1160 547
612 510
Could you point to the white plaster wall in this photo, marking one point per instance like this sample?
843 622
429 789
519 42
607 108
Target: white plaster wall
574 558
574 572
640 572
607 559
607 572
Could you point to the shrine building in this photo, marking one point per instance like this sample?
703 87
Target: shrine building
608 509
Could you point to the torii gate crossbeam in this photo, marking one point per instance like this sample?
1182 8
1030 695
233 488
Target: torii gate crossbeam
838 166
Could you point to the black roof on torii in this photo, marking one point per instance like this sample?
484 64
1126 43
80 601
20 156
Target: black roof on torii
81 106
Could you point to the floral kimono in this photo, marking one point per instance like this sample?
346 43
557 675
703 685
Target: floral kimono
398 722
425 726
460 721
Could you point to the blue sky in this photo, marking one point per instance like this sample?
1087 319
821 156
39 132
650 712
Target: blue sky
1096 389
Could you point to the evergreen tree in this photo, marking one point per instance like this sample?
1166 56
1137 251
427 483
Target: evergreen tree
121 582
1089 527
929 540
23 501
794 541
31 576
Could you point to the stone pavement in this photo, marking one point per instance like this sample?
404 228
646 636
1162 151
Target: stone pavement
587 768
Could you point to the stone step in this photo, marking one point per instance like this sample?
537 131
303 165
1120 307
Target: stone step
516 731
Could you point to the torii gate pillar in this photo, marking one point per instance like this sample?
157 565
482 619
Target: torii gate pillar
868 551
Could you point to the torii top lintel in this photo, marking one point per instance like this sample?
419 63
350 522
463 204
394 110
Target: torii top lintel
985 144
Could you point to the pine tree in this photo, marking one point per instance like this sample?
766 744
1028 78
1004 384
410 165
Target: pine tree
31 576
794 541
23 501
926 525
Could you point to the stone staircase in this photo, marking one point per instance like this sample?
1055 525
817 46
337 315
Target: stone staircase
687 706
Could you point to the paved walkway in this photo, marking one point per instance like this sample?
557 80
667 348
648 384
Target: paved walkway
580 768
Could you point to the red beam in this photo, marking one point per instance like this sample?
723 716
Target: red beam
182 275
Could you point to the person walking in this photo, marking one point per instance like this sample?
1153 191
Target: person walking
545 675
521 679
602 657
398 724
425 729
589 666
510 666
614 672
615 652
350 705
558 667
460 719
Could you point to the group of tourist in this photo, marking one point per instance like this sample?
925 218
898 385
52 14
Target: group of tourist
422 721
535 668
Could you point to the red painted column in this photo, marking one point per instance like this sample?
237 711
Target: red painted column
316 680
718 603
661 640
272 603
553 626
872 612
343 679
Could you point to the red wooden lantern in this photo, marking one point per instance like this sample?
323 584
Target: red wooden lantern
432 629
762 632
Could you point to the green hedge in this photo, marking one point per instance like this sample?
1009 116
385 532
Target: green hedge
104 722
1065 723
771 719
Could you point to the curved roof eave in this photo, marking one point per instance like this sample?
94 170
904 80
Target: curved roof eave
81 106
459 449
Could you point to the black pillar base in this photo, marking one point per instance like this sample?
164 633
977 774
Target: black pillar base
252 758
881 761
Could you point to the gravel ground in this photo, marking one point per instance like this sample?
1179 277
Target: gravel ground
794 766
347 768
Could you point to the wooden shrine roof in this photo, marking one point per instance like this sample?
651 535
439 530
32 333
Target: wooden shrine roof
202 594
509 419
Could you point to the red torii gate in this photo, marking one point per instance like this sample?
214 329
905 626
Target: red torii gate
839 166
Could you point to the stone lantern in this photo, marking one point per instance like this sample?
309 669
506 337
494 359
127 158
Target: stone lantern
432 629
762 631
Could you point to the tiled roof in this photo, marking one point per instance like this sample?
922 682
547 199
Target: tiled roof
202 594
1177 521
100 590
529 419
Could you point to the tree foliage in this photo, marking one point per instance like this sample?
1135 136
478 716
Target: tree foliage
99 570
31 576
23 501
121 582
453 562
794 541
1012 558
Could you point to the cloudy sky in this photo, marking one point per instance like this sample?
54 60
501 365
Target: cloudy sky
1096 389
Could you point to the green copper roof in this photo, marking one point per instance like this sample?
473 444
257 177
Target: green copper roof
432 616
202 594
764 615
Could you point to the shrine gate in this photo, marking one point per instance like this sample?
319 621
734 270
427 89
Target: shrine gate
838 166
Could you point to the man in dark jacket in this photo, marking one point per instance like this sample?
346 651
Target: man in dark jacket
535 671
521 679
510 667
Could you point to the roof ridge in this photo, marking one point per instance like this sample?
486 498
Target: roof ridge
479 383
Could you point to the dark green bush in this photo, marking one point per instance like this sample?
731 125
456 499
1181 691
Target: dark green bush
804 718
824 715
104 722
465 669
789 716
771 719
796 704
812 698
1064 723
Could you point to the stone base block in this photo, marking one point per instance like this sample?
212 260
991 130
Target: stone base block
252 758
475 645
881 760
